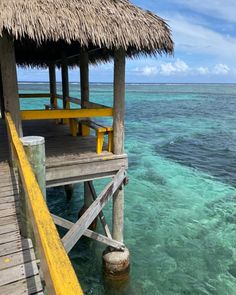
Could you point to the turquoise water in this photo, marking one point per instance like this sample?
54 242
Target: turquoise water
180 204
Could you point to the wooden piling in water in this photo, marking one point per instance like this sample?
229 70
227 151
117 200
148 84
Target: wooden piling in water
116 263
118 138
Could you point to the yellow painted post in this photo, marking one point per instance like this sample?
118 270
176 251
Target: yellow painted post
73 127
100 140
85 130
110 141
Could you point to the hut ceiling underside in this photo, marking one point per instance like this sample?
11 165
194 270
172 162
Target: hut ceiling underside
30 54
45 30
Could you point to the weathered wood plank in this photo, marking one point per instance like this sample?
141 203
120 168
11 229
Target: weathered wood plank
23 287
75 170
10 206
15 246
8 220
9 212
10 237
17 258
9 227
77 230
18 272
9 199
8 194
8 187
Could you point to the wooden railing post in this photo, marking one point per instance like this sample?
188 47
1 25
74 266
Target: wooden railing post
34 147
35 150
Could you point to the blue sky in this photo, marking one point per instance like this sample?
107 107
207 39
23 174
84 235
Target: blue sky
204 33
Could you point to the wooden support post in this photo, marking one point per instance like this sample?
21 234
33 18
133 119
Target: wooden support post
65 83
69 189
116 263
119 101
84 76
53 85
9 79
35 150
84 90
65 87
2 106
118 138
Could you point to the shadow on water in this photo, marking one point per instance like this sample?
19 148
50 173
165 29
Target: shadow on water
211 153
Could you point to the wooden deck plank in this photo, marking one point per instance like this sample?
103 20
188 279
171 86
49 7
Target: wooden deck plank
10 237
18 272
11 206
17 258
7 228
9 199
9 212
16 246
27 286
8 194
8 220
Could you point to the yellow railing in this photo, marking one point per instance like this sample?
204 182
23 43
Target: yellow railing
65 114
57 269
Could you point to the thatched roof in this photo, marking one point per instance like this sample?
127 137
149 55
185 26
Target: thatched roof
69 24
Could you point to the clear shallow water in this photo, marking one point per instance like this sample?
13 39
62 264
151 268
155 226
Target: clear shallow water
180 215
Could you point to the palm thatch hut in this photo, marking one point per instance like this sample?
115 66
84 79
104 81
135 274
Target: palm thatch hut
42 30
59 33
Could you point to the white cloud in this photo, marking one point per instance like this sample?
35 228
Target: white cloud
221 9
179 66
150 71
202 70
192 38
221 69
147 71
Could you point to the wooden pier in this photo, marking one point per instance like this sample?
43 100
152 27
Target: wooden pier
19 273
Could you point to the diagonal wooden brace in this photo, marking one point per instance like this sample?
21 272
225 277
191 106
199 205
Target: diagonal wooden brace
89 233
78 229
101 215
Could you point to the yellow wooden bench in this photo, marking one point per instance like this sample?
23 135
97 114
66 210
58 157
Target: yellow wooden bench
86 125
100 132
